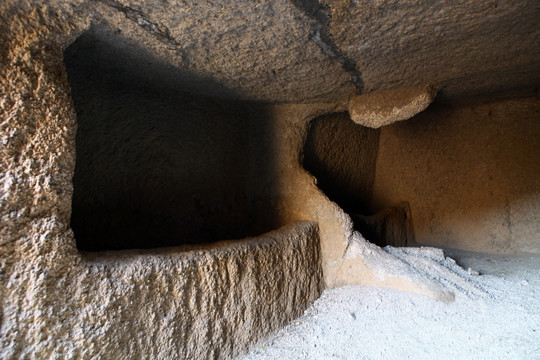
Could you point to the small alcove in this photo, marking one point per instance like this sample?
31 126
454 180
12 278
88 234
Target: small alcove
156 164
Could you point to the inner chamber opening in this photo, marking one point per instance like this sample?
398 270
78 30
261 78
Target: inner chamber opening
156 166
464 175
342 156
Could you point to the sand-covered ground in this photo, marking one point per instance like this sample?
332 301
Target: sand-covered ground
502 321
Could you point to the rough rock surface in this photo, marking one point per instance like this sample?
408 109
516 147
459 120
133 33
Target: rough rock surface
342 156
157 166
300 51
387 107
201 303
464 48
55 303
469 174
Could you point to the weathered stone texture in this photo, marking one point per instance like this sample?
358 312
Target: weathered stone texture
342 156
464 48
469 173
157 166
388 107
293 189
204 303
57 303
236 49
307 51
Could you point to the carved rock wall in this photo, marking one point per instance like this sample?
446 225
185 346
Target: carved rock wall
468 172
59 303
55 302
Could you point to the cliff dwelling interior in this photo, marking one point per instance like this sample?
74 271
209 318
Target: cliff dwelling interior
290 179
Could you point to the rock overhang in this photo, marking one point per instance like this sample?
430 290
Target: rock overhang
312 51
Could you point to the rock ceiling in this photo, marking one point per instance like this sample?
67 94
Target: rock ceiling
307 50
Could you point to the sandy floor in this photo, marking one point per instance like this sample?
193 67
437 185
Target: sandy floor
358 322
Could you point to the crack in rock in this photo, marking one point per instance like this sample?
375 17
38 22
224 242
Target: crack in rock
161 32
319 20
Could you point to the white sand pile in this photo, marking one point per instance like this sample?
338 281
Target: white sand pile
495 315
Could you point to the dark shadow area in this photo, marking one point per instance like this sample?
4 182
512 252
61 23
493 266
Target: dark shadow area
156 166
391 226
342 156
111 55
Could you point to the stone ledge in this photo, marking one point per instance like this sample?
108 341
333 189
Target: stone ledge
385 108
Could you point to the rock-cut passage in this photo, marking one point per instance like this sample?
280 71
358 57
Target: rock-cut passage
342 156
154 166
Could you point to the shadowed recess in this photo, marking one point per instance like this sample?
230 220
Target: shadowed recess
155 166
342 156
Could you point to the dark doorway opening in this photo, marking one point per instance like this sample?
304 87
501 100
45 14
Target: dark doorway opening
342 156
